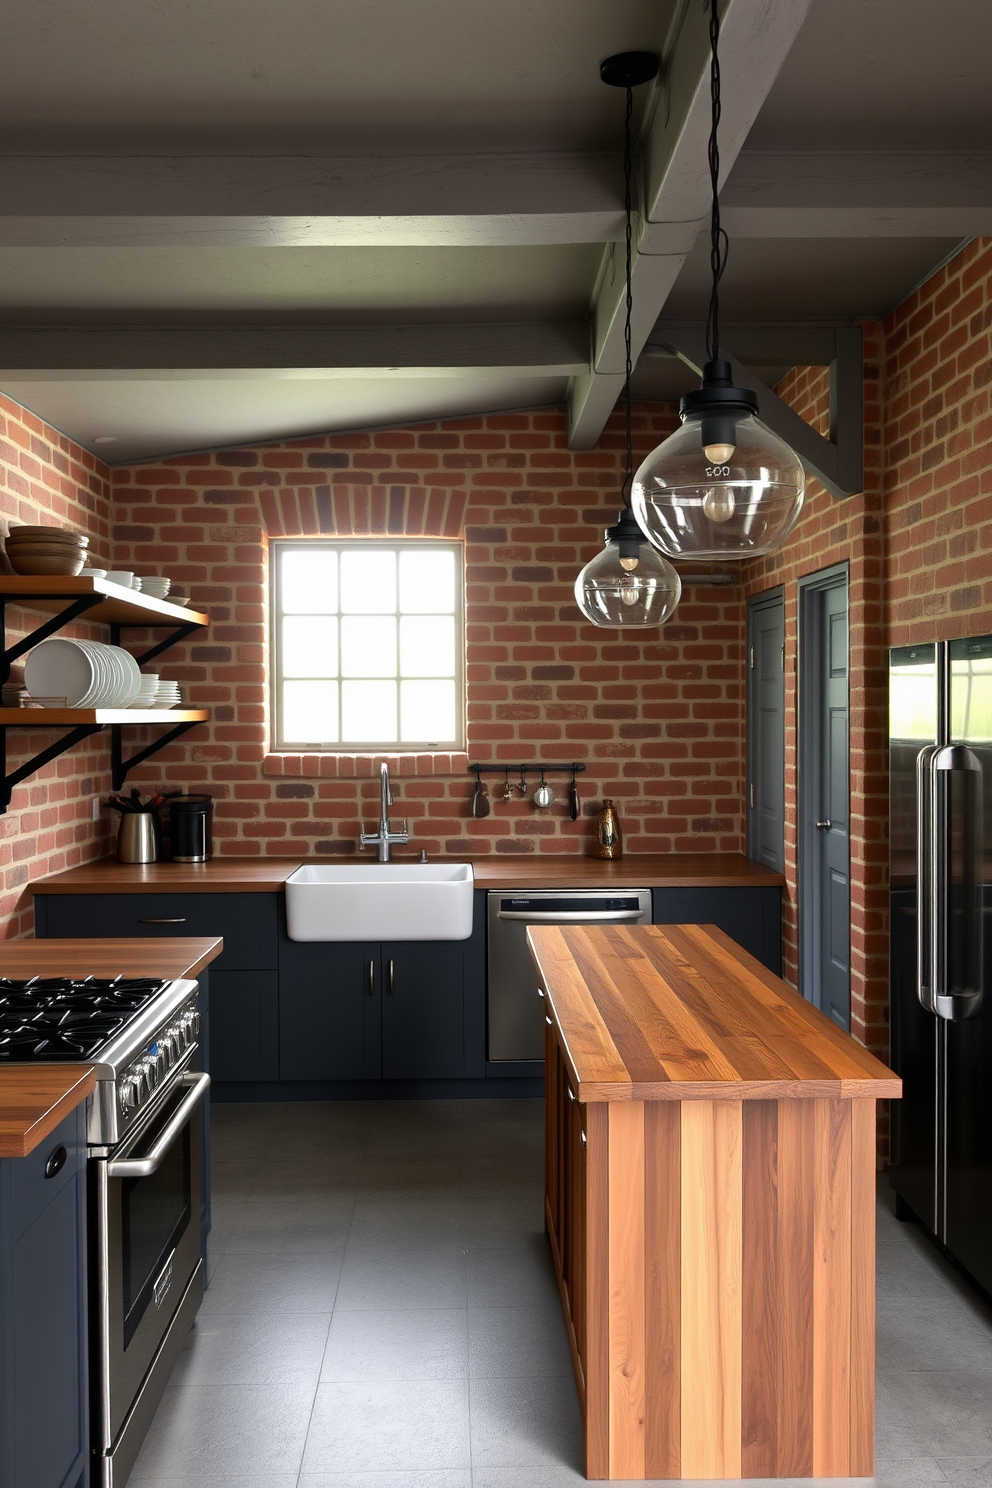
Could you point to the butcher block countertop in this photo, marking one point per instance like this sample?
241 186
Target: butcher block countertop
680 1012
540 871
156 956
35 1098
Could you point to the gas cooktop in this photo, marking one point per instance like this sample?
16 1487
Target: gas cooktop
52 1018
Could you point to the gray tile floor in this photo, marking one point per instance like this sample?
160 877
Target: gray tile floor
382 1314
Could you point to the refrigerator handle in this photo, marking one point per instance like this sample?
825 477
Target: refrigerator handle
924 879
963 999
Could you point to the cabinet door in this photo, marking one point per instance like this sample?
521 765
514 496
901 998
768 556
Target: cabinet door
423 1010
330 1024
244 1025
750 916
43 1415
248 923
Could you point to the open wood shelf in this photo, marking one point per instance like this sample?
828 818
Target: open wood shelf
67 600
120 606
66 717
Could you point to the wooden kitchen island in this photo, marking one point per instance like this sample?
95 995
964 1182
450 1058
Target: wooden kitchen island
711 1208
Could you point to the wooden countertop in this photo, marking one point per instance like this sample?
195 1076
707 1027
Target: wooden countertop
268 875
680 1012
159 956
35 1098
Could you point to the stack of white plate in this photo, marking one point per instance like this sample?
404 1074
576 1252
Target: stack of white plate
157 588
168 695
60 673
147 691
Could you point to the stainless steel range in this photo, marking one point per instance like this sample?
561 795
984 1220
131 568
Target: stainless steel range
143 1136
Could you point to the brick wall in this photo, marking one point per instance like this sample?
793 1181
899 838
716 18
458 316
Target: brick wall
832 532
44 477
656 718
938 455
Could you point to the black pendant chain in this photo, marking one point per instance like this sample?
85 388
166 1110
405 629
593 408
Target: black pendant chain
718 238
628 475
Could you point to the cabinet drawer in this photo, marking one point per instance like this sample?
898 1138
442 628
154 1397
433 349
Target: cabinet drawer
248 923
31 1190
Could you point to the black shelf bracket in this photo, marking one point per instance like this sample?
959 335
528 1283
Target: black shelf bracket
119 766
67 741
75 611
179 634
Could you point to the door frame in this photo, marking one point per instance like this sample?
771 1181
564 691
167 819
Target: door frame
808 714
765 600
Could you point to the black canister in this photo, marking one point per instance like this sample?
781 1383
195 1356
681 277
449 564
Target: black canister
190 836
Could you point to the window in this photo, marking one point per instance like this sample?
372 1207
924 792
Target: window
368 645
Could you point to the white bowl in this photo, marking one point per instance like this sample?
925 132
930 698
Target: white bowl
92 573
121 576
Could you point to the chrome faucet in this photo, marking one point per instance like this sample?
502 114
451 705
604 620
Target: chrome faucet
384 838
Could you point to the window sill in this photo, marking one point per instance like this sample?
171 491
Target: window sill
363 766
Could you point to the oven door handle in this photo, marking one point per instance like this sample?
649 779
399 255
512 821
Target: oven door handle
143 1167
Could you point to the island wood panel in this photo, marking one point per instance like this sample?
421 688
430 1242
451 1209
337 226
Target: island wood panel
79 956
729 1257
34 1099
542 871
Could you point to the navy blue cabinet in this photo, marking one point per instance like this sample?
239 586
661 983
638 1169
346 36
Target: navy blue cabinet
750 916
43 1398
330 1011
244 980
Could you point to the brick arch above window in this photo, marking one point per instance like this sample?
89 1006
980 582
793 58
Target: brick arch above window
363 511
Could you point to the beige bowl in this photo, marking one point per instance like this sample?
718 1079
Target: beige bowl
57 564
46 535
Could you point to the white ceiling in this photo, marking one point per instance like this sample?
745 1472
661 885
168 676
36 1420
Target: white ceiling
193 196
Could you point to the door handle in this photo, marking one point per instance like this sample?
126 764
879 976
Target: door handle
924 878
371 978
143 1167
165 920
824 826
956 991
391 979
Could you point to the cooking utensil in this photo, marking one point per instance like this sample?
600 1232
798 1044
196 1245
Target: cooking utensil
573 799
522 787
507 787
479 805
544 795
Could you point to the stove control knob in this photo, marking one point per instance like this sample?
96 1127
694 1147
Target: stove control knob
129 1093
147 1074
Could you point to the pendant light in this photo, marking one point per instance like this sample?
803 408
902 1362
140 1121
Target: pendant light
628 584
723 486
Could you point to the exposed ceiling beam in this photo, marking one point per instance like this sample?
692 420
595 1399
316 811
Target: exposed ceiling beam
756 36
859 194
102 352
298 201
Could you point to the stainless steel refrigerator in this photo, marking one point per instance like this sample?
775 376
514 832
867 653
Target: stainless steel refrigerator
940 759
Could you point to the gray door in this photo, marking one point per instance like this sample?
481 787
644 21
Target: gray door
766 729
824 795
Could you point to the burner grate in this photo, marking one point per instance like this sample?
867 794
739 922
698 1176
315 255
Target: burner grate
51 1018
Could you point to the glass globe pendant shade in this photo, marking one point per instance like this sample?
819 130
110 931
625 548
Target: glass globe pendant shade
628 584
722 486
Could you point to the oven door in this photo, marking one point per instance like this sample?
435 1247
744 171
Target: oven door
148 1246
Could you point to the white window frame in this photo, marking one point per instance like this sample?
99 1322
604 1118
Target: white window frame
280 744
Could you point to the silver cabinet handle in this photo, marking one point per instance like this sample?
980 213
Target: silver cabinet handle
391 979
549 1021
571 1092
143 1167
165 920
582 1138
371 978
540 991
570 916
824 826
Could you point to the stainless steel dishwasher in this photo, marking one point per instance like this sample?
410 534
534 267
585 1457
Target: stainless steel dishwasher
516 1022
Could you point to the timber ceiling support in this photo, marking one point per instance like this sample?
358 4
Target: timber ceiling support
756 36
836 462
